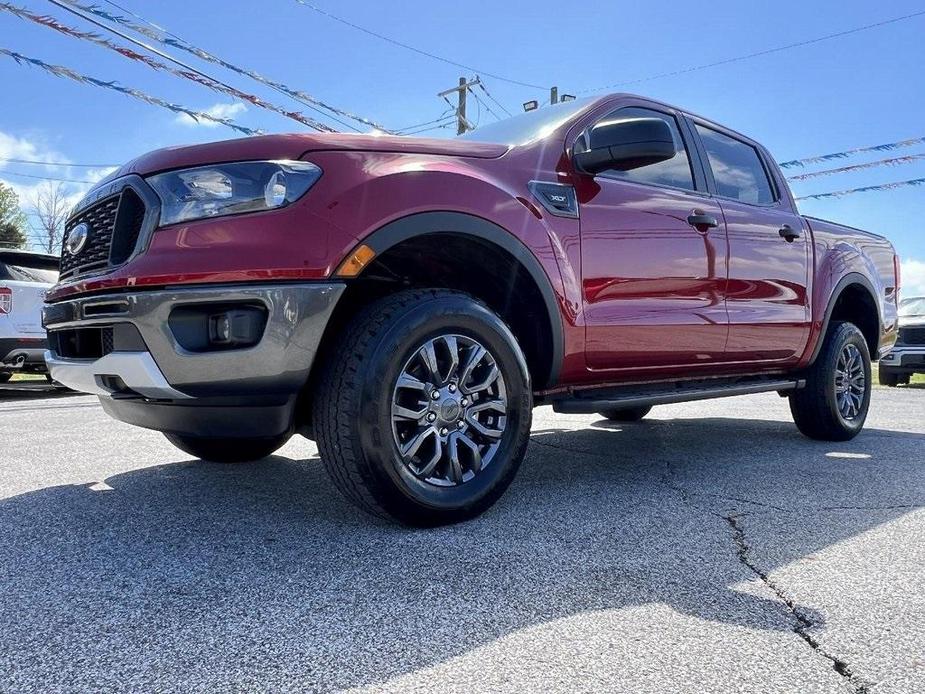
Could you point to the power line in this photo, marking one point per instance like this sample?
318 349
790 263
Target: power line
419 51
56 163
895 161
481 103
757 54
167 38
500 105
44 178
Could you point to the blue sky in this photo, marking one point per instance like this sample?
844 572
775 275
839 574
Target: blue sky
857 90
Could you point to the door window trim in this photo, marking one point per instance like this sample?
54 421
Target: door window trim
701 185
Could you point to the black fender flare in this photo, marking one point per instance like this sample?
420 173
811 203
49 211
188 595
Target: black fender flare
424 223
849 279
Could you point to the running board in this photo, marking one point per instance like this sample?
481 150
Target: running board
664 394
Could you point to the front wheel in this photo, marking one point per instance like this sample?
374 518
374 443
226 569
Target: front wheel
226 450
423 411
833 405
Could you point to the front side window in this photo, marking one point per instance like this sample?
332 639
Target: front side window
674 172
737 168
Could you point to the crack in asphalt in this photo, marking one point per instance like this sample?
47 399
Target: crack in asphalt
802 623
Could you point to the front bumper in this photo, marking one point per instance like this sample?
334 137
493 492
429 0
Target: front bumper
911 357
150 379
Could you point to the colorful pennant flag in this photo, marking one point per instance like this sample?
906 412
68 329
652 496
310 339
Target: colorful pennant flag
163 37
896 161
849 152
865 189
131 54
61 71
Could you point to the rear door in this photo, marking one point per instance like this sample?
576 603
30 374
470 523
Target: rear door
767 297
654 282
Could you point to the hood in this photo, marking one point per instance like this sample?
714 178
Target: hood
296 145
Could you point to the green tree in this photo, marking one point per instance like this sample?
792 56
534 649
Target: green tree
12 219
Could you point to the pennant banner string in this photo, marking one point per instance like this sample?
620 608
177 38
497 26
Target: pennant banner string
865 189
61 71
165 38
896 161
849 152
197 77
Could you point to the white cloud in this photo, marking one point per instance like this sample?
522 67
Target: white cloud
216 111
913 278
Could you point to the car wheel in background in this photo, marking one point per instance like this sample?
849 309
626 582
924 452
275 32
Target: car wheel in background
834 403
5 377
888 378
423 411
227 450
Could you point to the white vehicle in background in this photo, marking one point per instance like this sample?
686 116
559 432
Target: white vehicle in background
24 279
908 355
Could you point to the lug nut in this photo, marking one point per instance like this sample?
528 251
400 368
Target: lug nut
464 402
452 387
460 424
435 395
444 431
431 417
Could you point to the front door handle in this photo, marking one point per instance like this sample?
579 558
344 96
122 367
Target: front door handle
789 233
702 222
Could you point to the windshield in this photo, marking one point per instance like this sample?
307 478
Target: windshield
912 307
20 273
526 127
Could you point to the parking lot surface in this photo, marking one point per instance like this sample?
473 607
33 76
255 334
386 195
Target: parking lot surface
708 548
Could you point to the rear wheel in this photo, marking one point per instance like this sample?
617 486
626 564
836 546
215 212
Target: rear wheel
626 414
227 450
833 405
423 411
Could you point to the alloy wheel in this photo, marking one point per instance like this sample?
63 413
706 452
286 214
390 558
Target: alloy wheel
850 382
449 410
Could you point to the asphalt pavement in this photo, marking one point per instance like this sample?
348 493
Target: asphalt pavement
710 548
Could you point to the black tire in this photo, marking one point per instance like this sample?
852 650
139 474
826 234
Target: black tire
891 379
5 377
626 414
815 408
227 450
352 408
905 379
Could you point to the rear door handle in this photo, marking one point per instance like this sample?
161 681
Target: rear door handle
789 233
702 222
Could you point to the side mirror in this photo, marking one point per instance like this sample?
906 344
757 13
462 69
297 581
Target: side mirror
626 144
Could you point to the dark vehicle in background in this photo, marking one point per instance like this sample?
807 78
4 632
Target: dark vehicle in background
908 354
406 302
25 277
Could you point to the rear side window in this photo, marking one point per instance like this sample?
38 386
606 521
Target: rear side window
20 273
675 172
737 168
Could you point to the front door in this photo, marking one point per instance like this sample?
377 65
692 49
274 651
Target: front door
653 259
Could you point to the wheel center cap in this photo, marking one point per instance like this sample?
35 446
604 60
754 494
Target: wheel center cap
449 410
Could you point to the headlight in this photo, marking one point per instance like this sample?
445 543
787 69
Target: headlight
222 189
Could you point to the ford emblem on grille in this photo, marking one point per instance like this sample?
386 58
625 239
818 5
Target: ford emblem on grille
77 239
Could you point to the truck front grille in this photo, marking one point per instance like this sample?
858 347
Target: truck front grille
912 335
115 223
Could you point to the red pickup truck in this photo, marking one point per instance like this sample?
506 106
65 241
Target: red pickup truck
406 302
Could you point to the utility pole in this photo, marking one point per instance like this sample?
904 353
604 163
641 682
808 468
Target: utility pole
553 95
462 125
